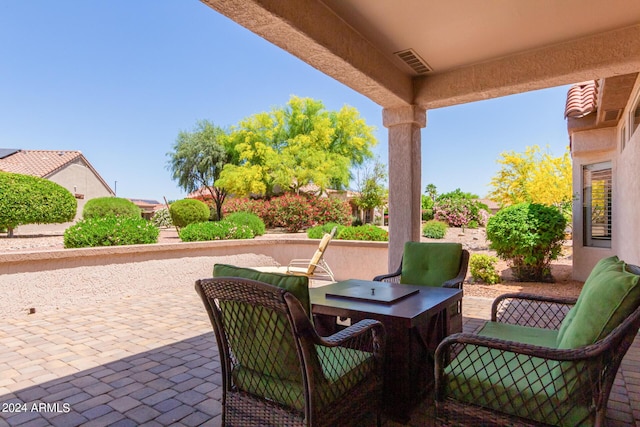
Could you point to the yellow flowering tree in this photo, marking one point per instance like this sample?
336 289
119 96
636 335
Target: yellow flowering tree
534 177
290 147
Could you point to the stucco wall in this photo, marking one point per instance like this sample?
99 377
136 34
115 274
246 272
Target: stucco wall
600 145
347 259
628 176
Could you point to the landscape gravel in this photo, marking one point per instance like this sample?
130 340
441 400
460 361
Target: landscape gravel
55 289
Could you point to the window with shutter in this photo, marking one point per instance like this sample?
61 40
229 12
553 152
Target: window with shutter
597 205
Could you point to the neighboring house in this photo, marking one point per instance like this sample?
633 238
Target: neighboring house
69 169
147 207
603 119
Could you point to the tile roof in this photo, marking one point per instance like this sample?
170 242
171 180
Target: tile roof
40 163
582 99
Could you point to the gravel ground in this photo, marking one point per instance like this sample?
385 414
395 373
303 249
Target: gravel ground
50 290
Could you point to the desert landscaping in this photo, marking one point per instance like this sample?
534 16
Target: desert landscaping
53 290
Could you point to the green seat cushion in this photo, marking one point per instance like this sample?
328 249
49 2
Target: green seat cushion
297 285
339 370
515 384
521 334
430 264
609 295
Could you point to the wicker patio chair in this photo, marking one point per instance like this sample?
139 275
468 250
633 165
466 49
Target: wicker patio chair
430 264
541 361
277 371
433 264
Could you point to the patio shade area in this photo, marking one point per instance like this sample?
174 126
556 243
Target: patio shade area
152 360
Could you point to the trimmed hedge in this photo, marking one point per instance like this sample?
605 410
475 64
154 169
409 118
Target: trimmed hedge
110 231
219 230
188 211
529 236
249 219
27 199
110 206
319 231
364 232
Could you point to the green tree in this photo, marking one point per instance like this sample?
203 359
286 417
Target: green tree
197 160
28 199
288 148
431 191
533 177
371 187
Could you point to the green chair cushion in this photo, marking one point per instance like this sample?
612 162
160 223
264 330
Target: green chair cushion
609 295
297 285
430 264
341 369
521 334
512 383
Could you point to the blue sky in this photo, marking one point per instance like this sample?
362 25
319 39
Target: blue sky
119 79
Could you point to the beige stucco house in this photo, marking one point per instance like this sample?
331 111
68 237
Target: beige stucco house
603 119
70 169
411 56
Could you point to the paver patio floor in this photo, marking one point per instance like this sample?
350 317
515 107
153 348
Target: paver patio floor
152 361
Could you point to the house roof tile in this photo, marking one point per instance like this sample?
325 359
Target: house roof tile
582 99
40 163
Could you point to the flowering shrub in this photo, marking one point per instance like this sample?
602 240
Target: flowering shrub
458 209
219 230
364 232
483 217
110 231
483 268
161 218
249 219
454 212
293 212
434 229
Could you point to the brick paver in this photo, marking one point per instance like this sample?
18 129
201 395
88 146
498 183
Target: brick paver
152 361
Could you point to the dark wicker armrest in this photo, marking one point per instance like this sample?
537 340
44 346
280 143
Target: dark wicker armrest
390 277
531 310
366 335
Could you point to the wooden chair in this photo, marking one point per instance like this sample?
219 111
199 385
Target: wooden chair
276 369
315 267
542 361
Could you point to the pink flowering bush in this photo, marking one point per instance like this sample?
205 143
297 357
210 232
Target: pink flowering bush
293 212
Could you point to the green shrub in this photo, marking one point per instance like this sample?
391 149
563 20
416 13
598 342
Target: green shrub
319 230
161 218
483 268
110 231
188 211
529 236
434 229
473 224
220 230
249 219
364 232
427 214
27 199
110 206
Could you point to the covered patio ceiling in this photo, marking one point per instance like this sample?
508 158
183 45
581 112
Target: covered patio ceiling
462 50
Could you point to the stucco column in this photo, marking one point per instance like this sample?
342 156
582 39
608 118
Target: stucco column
404 124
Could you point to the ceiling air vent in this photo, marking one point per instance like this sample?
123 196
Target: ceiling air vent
611 115
413 60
